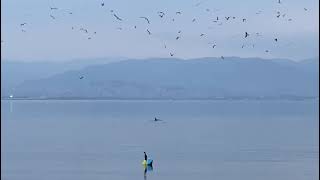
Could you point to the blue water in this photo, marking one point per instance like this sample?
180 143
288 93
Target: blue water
225 140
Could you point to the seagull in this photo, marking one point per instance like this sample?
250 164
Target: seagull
305 9
279 1
53 8
278 16
102 4
227 18
246 35
52 17
243 20
177 37
242 46
179 31
178 12
23 24
201 34
267 51
289 19
117 17
135 27
89 38
81 77
171 54
214 46
193 20
85 30
161 14
276 39
149 32
146 19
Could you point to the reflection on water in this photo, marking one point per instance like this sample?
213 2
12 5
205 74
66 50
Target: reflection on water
146 169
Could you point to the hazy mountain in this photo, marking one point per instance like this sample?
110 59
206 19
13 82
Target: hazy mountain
14 73
174 78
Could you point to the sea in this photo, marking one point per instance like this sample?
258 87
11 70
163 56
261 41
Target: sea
192 140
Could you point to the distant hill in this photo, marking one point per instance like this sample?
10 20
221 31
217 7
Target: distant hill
204 78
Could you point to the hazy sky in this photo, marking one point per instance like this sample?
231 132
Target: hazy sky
51 39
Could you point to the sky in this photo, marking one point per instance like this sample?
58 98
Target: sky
43 38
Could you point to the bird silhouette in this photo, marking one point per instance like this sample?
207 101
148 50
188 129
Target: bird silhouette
178 12
149 32
102 4
243 20
52 17
161 14
22 24
276 39
227 18
146 19
178 37
246 34
53 8
171 54
117 17
81 77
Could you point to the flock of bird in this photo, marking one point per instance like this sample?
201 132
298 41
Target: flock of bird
219 20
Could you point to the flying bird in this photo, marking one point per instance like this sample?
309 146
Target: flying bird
117 17
279 1
84 30
305 9
81 77
161 14
266 50
178 12
243 20
193 20
227 18
276 39
146 19
177 37
102 4
201 34
22 24
246 35
53 8
171 54
214 46
149 32
52 17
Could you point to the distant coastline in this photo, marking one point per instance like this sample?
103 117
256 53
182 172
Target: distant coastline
292 98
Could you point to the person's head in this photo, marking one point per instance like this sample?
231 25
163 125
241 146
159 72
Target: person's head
144 152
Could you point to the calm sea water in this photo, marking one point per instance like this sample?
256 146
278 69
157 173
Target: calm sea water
101 140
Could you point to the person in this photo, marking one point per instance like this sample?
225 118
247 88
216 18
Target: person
145 156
